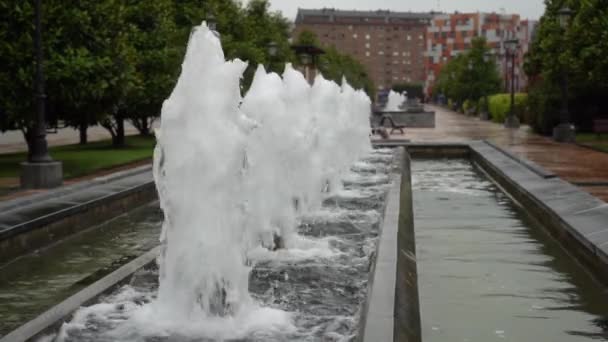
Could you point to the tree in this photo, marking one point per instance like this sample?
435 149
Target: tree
90 68
17 64
245 32
86 61
579 52
151 34
469 76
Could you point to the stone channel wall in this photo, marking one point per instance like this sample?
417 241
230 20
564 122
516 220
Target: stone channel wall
43 231
391 312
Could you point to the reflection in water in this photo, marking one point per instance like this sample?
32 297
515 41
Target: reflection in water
489 273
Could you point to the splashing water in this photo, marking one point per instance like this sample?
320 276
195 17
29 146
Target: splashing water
233 173
395 100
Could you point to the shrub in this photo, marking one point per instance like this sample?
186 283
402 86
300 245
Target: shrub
500 104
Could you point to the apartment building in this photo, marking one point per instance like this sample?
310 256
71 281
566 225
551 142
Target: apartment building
391 45
449 35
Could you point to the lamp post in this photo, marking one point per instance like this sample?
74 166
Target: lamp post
484 114
511 46
307 54
40 170
564 132
306 61
212 23
273 49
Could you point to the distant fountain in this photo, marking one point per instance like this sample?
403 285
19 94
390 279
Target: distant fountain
233 174
395 101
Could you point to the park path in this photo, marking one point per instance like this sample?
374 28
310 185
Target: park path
12 141
579 165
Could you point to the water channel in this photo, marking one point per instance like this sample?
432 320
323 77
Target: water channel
37 281
487 272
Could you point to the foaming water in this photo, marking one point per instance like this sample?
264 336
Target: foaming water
395 100
233 176
312 290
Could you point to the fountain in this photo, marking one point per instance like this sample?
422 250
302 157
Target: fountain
404 112
395 102
237 178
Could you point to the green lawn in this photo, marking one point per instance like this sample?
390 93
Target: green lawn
82 160
592 139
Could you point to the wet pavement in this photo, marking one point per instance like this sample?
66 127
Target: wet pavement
488 273
573 163
19 215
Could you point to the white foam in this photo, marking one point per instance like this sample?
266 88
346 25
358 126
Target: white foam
229 171
395 100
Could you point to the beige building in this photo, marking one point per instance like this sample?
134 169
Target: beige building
391 45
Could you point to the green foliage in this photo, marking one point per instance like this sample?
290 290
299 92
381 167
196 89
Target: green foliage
82 160
88 59
414 90
152 32
468 76
245 32
500 105
335 66
578 52
110 60
307 37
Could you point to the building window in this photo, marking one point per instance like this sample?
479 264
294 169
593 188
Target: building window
367 36
367 45
367 53
420 37
409 37
355 35
381 52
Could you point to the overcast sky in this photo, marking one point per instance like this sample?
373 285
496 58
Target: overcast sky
531 9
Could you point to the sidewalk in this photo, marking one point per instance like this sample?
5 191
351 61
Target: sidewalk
581 166
12 141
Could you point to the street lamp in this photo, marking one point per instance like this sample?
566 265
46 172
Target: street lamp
211 22
511 47
488 56
40 170
564 132
307 54
273 48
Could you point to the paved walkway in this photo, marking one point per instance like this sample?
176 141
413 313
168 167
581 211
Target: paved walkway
12 141
579 165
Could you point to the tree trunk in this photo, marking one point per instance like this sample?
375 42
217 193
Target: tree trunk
82 128
29 140
119 139
145 127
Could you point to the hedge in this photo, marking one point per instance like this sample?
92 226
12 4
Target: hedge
500 104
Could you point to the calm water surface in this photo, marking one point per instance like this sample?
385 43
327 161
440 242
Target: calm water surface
487 273
36 282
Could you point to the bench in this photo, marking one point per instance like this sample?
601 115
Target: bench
394 127
600 126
